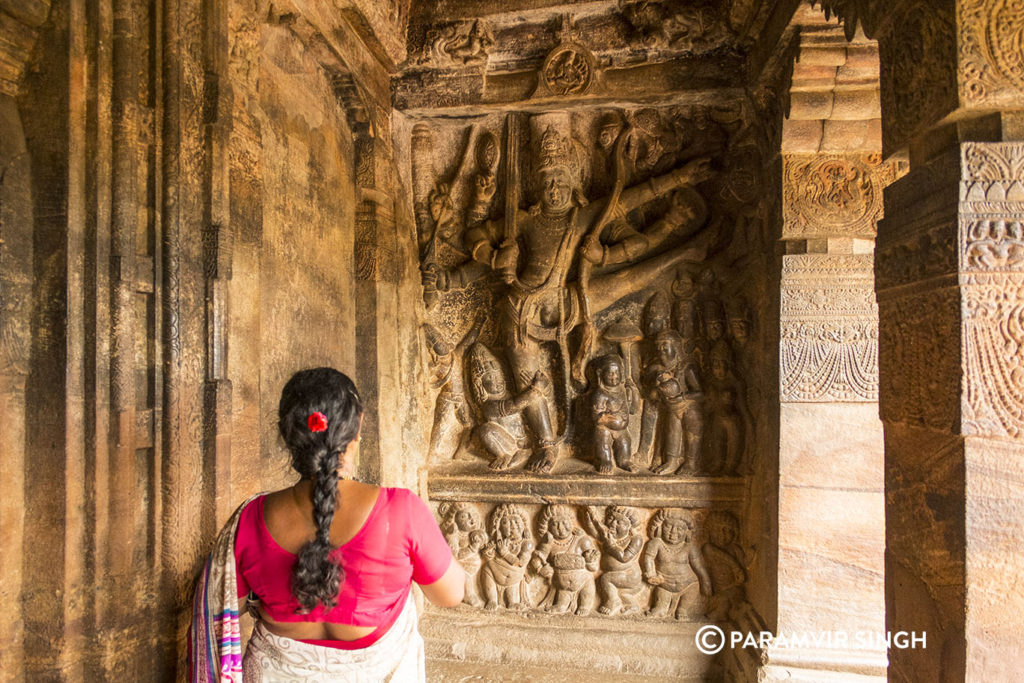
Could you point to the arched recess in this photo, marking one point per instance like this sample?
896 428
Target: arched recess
831 526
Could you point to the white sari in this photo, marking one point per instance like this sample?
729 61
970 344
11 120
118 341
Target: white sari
397 657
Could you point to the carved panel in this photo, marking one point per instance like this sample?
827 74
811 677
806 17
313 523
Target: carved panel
991 51
829 329
692 27
918 69
461 43
992 254
578 249
611 561
920 359
827 195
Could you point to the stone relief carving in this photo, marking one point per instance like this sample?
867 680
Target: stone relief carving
569 69
921 384
689 564
612 401
829 332
726 563
463 529
459 43
506 554
452 418
673 564
692 27
567 557
918 85
991 50
992 257
833 195
621 579
552 268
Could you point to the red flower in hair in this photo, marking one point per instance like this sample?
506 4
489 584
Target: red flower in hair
317 422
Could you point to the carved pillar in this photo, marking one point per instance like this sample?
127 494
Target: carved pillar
385 327
951 296
831 504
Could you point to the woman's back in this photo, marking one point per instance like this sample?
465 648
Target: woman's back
385 539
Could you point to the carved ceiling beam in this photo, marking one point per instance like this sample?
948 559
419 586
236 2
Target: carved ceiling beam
683 81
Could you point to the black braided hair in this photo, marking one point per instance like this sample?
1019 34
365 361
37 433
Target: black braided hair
317 576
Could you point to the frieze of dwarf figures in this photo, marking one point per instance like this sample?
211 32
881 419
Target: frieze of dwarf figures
615 561
550 242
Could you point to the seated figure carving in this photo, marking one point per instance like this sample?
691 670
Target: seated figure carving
501 430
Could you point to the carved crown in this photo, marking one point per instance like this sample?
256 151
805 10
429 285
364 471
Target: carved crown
555 151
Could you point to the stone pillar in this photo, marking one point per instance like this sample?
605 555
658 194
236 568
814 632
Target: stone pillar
948 270
831 504
951 296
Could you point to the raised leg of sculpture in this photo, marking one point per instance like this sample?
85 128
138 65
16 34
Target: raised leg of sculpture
525 361
605 290
499 443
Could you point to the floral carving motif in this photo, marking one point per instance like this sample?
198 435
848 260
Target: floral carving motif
994 356
832 195
829 336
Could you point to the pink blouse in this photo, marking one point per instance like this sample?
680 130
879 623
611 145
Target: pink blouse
400 542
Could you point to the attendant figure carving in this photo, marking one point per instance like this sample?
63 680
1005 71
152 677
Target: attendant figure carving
674 388
461 526
621 580
611 403
451 412
672 563
506 555
730 420
567 557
